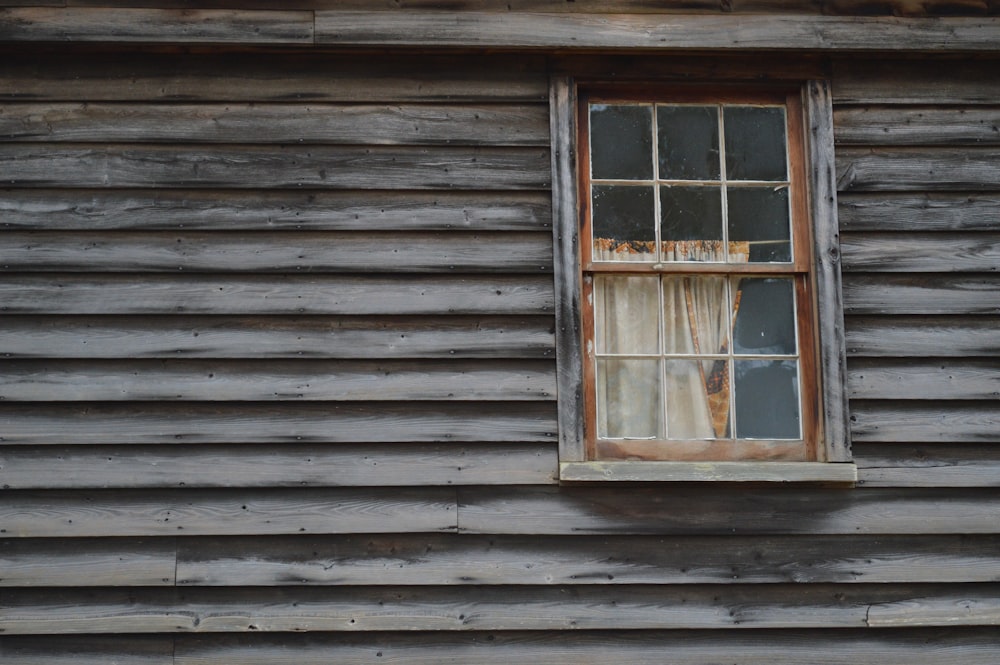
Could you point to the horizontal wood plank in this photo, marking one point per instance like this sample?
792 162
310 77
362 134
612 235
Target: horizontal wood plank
782 510
917 169
289 252
53 650
313 167
921 294
466 559
636 31
917 212
103 513
278 294
927 465
931 421
238 210
90 562
155 25
492 608
923 380
887 81
269 381
269 77
923 252
371 337
921 336
289 465
251 422
425 124
904 126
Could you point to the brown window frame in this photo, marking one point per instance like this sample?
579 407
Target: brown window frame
821 356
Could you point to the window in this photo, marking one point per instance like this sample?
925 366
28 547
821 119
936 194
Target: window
695 251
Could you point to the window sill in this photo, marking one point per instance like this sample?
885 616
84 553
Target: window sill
735 472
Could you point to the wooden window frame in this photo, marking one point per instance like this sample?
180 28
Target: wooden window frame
816 266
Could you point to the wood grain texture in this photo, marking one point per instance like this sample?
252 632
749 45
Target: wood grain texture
155 25
283 210
283 252
370 337
273 381
929 125
452 559
923 252
425 124
917 169
887 81
928 465
918 213
491 608
277 294
251 422
49 75
921 336
635 31
105 513
921 294
782 510
954 421
59 563
924 380
969 646
314 167
53 650
289 465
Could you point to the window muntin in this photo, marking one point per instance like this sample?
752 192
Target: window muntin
698 334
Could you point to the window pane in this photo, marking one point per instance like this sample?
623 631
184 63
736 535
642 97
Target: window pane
695 315
627 314
691 223
688 139
758 224
623 221
697 399
765 316
767 399
621 142
755 142
628 398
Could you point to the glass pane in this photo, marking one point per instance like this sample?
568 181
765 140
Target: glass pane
767 399
627 314
697 399
621 142
758 224
755 142
765 316
623 221
688 139
628 399
695 315
691 224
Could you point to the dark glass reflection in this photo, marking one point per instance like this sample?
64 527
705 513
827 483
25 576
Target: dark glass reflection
690 213
623 221
767 399
621 142
688 139
755 142
759 216
765 316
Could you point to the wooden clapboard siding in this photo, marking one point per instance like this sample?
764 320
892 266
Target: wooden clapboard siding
91 210
284 465
268 251
930 379
336 609
90 562
927 465
923 336
296 336
920 125
924 252
920 212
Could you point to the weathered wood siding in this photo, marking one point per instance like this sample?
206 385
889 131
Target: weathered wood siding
278 381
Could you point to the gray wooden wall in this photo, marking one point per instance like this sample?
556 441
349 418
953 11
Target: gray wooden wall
277 382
